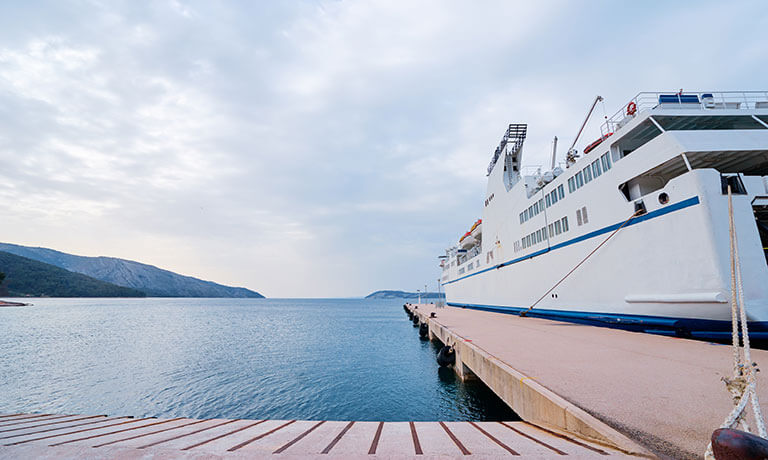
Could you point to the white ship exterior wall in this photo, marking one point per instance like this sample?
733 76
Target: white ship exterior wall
672 265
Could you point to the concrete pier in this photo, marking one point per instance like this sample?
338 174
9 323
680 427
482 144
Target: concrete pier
49 436
641 393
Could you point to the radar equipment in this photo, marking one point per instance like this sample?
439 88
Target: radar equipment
511 144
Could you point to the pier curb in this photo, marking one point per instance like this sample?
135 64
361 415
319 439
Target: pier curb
532 401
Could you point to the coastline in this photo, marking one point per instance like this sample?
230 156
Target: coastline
5 303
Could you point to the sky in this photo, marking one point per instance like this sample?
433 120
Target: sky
316 148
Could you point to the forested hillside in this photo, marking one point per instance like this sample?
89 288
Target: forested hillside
27 277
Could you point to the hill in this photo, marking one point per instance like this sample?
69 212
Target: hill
27 277
404 295
149 279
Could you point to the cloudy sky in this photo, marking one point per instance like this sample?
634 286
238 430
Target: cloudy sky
315 148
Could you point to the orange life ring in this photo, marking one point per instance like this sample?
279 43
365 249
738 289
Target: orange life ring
631 108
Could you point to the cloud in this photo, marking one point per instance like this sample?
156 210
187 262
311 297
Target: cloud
313 148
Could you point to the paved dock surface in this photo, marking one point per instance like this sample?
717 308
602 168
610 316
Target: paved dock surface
50 436
665 393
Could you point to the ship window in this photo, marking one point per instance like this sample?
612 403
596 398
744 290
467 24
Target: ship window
541 205
565 223
554 196
571 185
551 230
677 123
535 208
578 217
558 228
596 168
606 162
461 270
521 217
538 236
587 174
544 233
561 191
579 180
584 214
549 200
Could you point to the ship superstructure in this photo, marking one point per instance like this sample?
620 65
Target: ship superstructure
634 227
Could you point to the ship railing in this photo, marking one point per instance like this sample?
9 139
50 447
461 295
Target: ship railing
694 100
469 255
531 170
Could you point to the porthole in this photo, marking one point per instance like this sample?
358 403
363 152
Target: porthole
663 198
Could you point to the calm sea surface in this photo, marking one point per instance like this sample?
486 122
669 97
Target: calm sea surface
318 359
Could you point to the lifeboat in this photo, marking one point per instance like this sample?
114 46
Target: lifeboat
594 145
477 230
467 241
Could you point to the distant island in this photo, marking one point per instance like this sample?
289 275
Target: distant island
404 295
46 272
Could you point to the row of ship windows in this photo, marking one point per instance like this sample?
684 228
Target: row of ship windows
602 164
533 210
543 234
538 207
592 171
555 195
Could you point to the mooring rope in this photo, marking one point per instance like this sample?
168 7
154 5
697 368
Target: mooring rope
743 385
523 313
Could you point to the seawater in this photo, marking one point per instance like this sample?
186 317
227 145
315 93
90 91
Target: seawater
314 359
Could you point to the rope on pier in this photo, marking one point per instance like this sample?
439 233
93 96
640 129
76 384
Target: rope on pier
743 385
523 313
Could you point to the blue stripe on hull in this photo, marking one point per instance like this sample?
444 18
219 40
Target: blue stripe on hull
679 327
636 220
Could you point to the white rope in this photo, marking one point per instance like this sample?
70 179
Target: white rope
743 385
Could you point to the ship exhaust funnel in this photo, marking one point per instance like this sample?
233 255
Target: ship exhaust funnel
554 154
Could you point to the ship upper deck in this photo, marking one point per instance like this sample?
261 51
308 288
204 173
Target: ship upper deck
721 103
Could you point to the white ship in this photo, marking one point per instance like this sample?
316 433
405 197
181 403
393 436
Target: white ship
664 158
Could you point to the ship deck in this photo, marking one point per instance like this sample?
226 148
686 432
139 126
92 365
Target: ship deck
663 393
